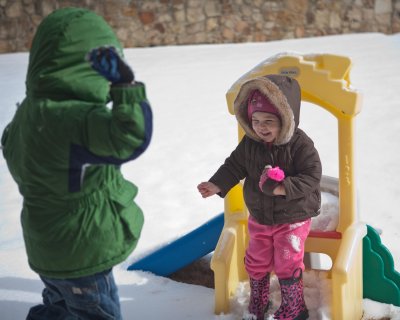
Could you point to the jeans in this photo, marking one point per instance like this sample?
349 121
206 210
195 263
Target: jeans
86 298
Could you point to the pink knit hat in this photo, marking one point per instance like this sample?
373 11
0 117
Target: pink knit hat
258 102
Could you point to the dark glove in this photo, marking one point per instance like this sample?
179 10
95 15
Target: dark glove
107 62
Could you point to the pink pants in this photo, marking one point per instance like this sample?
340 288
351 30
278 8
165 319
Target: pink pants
278 248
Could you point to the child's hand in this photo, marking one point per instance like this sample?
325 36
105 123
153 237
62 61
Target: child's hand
107 62
279 191
208 189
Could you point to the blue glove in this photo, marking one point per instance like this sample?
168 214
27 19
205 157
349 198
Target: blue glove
107 62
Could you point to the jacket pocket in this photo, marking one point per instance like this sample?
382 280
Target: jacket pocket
127 211
124 194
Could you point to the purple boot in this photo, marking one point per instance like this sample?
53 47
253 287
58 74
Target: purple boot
293 306
259 298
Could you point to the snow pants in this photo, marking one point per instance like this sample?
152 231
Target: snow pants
278 248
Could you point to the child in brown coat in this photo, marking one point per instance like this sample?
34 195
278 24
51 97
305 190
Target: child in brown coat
282 172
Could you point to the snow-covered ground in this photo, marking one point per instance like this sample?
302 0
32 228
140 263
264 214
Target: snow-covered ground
193 134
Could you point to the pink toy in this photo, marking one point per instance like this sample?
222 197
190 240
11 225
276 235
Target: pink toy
276 174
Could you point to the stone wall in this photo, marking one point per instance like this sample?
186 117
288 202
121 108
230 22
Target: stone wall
144 23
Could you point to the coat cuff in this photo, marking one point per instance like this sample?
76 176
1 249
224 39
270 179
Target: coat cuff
128 93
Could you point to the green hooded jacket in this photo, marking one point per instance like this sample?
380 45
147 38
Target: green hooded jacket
64 148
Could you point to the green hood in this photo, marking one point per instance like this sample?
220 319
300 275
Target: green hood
57 67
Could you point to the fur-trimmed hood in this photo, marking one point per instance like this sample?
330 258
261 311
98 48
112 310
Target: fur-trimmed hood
284 92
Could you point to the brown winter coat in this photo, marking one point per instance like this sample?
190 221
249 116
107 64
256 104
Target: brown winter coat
293 151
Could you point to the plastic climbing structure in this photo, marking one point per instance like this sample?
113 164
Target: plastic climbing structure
325 82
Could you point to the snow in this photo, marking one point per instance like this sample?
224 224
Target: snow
193 134
328 219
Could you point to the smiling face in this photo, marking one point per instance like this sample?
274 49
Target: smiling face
267 126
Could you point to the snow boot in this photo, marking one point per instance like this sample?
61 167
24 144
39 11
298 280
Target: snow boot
293 306
259 298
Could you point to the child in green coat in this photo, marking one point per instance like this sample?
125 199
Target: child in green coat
64 148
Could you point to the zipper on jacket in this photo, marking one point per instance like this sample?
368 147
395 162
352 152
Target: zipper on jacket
269 147
273 151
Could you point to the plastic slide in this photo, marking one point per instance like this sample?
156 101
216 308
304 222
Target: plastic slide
381 282
183 251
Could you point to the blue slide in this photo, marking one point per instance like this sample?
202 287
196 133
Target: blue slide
183 251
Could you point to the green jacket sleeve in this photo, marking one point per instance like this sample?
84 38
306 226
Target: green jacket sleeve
123 132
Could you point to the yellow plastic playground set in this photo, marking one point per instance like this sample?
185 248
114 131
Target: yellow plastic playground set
361 266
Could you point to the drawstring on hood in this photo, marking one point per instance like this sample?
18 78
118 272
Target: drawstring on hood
283 92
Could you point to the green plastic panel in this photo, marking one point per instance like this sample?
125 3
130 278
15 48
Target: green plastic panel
381 282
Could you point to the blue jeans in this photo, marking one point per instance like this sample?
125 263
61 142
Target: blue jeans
86 298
